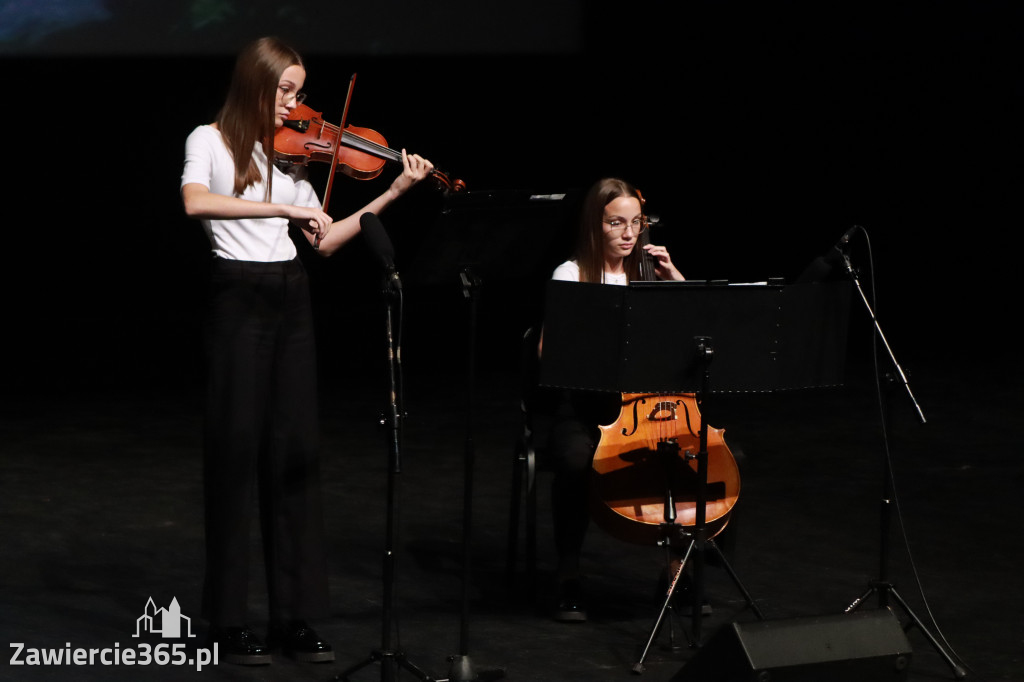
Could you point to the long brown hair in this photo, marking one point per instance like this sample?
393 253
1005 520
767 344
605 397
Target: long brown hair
247 116
591 241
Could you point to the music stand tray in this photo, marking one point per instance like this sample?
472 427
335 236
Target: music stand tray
638 339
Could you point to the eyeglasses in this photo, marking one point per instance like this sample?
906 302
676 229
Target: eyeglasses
287 95
618 226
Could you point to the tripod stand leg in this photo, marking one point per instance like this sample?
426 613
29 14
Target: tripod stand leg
886 589
958 671
389 661
403 662
736 580
859 600
638 667
374 657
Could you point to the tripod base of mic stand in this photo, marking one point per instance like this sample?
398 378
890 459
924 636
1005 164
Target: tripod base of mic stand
461 670
390 662
884 591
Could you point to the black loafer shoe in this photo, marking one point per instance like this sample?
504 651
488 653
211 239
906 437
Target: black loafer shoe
239 645
570 607
299 641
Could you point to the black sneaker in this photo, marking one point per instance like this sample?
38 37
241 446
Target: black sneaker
570 603
299 641
240 645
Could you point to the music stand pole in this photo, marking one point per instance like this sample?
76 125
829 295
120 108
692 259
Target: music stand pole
461 668
883 586
705 352
696 545
389 659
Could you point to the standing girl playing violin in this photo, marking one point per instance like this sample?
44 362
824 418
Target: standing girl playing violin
610 226
261 429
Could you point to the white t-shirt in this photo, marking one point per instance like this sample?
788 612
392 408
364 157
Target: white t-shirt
209 163
569 271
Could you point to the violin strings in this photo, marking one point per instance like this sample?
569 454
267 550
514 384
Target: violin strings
369 146
361 143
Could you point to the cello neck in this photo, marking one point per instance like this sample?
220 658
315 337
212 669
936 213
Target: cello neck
647 263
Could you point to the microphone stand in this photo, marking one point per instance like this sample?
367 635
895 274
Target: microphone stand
390 659
848 267
882 586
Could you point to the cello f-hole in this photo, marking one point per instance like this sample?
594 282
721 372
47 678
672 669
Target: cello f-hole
636 419
629 477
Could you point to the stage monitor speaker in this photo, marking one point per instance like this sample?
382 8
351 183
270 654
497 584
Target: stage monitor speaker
868 646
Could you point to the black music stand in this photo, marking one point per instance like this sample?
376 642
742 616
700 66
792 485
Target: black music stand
768 337
660 337
500 234
480 236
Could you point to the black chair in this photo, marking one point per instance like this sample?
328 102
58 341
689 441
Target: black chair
528 458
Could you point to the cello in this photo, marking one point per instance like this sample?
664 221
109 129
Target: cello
648 456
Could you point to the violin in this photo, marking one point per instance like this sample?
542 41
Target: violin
650 450
306 136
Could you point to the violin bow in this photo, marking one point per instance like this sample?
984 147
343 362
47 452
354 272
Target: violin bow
337 150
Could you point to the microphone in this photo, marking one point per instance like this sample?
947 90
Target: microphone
377 239
845 239
380 244
823 267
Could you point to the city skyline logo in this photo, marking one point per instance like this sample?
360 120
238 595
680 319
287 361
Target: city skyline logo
167 622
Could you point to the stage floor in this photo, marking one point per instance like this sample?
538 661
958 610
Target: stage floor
102 511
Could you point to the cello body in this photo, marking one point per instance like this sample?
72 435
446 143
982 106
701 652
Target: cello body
649 450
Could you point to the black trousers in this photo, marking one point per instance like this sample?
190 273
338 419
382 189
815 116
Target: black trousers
571 443
261 441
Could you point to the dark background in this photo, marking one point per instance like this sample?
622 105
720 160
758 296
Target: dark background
759 135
